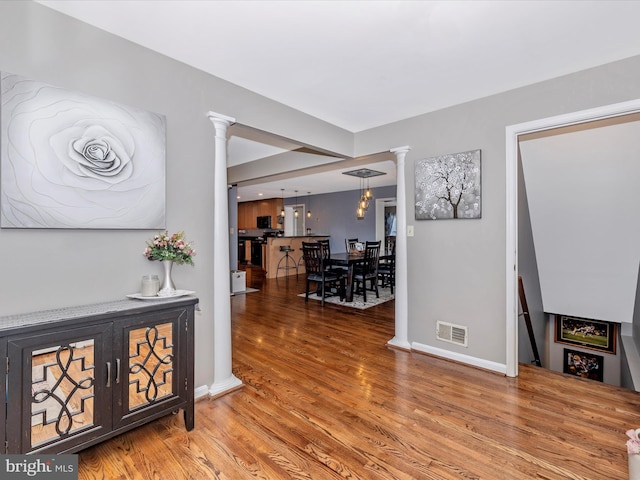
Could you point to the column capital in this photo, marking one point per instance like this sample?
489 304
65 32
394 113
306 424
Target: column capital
398 150
218 117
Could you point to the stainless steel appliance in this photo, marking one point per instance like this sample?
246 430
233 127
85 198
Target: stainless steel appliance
264 221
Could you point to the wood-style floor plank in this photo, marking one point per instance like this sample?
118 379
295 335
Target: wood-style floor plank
323 397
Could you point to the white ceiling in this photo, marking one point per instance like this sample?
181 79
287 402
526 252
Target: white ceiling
361 64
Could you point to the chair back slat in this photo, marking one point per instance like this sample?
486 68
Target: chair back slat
325 249
371 258
312 254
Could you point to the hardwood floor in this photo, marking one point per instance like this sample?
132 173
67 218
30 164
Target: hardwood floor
325 398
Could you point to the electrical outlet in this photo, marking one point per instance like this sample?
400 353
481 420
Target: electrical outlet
409 230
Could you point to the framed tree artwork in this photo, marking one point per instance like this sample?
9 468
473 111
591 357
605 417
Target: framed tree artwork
448 186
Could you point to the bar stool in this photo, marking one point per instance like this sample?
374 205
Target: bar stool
286 258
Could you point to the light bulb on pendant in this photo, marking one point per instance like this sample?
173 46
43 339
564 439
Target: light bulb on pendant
368 193
282 211
309 211
295 212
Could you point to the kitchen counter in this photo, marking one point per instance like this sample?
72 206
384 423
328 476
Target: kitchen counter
273 253
313 236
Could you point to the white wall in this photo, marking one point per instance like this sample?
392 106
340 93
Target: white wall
582 194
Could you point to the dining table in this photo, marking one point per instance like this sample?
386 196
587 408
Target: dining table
349 260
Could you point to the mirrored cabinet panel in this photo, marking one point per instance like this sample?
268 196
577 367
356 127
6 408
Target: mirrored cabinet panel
150 364
62 391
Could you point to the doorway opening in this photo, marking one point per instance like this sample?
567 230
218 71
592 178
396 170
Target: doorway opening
513 135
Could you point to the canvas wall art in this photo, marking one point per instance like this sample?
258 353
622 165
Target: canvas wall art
448 186
71 160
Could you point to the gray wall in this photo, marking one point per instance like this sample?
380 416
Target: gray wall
334 214
456 269
528 270
44 269
630 347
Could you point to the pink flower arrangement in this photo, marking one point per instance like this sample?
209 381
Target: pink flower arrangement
170 247
633 444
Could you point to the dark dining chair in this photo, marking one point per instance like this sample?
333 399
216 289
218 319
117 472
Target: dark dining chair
326 249
350 244
326 255
387 268
368 270
314 264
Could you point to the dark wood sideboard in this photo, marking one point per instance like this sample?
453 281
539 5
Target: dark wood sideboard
77 376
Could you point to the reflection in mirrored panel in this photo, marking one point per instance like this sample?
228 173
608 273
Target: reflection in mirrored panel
62 391
150 364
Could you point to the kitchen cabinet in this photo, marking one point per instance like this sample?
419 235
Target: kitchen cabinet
80 375
264 208
247 215
248 212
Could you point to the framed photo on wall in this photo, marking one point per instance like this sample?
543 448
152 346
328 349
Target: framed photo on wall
592 334
584 365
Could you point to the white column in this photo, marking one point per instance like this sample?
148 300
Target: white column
223 378
401 338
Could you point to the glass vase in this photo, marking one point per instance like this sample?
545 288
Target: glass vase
167 288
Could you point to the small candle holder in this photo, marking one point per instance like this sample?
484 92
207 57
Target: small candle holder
150 285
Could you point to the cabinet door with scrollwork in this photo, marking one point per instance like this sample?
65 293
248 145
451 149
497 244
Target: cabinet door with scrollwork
59 394
150 371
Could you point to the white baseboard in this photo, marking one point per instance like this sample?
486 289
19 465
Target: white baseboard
201 391
459 357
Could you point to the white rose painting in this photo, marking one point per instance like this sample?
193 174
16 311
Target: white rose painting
448 186
70 160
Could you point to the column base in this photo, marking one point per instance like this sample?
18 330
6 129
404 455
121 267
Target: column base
228 385
399 344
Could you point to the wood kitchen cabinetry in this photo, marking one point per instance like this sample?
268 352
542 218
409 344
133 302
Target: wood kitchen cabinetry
248 212
80 375
247 215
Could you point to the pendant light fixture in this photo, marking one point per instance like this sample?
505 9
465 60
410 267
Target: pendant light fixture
282 211
361 204
364 200
295 212
309 201
365 194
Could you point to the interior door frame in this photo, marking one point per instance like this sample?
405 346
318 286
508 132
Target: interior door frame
513 133
380 223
